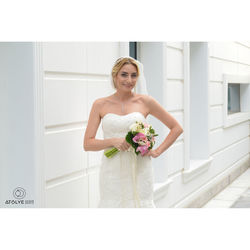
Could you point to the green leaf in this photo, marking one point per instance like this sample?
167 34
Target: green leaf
151 130
129 137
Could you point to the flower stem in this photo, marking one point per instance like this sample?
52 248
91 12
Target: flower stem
111 152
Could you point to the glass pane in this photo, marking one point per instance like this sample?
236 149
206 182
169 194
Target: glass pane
233 98
133 49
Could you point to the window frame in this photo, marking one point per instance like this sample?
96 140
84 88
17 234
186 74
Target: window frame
236 118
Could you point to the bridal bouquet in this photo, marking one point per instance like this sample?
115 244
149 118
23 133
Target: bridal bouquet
141 137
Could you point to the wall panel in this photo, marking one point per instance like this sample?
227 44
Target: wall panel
175 157
65 57
101 57
224 50
223 138
216 117
174 64
72 193
65 101
174 95
215 93
64 153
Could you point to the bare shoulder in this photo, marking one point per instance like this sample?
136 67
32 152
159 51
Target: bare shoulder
154 107
146 99
102 104
96 106
101 101
142 97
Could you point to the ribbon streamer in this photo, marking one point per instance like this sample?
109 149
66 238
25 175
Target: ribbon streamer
134 168
121 170
134 178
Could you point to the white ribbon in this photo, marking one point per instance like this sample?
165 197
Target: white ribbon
121 170
134 178
134 168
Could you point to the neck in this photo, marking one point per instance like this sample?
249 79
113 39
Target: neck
123 96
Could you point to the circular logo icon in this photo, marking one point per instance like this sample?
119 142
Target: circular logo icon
19 193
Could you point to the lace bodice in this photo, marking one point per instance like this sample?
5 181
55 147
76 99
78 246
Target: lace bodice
114 125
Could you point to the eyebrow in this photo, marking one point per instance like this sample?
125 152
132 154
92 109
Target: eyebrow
127 72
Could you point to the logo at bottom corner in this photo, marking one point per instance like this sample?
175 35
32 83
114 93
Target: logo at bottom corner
19 194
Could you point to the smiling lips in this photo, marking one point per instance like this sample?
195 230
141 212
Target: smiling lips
126 85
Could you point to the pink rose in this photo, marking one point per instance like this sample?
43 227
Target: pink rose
139 136
142 149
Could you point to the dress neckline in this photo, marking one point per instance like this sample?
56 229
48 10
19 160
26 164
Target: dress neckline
124 115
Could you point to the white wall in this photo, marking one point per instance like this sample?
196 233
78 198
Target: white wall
175 102
229 147
75 74
226 58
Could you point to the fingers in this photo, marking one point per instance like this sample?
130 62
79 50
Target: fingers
124 146
149 153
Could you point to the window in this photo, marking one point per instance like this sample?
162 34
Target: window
236 101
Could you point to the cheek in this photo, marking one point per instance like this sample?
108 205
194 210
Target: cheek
134 81
119 79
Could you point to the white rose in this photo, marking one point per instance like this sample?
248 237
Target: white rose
134 127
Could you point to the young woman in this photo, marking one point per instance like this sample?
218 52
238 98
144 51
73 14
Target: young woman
126 179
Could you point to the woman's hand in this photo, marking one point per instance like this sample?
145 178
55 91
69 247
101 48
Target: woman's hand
121 144
154 153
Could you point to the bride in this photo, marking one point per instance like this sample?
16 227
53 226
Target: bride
126 180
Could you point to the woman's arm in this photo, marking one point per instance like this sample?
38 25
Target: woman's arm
90 143
160 113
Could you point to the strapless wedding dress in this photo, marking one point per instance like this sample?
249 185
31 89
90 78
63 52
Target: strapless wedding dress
125 180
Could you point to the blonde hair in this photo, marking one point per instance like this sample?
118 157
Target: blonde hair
119 64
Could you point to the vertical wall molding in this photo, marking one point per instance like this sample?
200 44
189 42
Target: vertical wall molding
39 125
186 95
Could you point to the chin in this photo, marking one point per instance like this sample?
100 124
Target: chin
127 89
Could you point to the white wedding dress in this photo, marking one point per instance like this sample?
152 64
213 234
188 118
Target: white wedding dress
125 180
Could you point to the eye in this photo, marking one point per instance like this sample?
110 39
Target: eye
124 74
134 75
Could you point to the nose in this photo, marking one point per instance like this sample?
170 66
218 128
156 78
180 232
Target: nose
129 79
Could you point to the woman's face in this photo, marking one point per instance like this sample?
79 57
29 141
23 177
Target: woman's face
126 78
